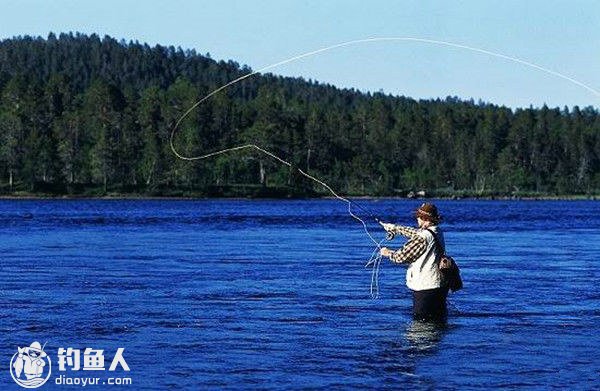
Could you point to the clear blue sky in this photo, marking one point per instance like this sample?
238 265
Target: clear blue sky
561 35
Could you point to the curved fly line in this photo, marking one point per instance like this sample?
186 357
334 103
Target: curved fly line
375 259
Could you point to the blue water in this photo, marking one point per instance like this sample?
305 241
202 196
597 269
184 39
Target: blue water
274 294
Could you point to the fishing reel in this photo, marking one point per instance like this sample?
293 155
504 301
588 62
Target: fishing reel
389 235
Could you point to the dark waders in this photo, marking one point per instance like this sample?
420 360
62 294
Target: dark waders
430 304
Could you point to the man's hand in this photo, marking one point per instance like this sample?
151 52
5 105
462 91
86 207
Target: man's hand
387 226
386 252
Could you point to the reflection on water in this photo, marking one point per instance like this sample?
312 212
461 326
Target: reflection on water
423 337
402 354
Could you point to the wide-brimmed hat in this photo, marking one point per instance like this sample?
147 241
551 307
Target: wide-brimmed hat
429 212
36 347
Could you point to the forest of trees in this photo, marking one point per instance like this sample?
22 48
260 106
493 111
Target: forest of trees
92 116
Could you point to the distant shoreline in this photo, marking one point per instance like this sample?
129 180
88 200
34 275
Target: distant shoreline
360 197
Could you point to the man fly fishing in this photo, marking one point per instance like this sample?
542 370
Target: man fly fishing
422 252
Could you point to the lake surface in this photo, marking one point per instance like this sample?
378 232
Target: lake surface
274 294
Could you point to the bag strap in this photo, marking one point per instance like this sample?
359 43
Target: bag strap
440 249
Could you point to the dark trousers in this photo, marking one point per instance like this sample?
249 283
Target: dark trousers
430 304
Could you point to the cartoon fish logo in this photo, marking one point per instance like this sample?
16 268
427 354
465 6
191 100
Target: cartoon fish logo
29 365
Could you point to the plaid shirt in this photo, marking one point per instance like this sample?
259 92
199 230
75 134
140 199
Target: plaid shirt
413 249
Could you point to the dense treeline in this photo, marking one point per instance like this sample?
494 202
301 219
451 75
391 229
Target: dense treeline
80 114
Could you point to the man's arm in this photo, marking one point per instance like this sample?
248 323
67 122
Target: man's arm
394 229
411 251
